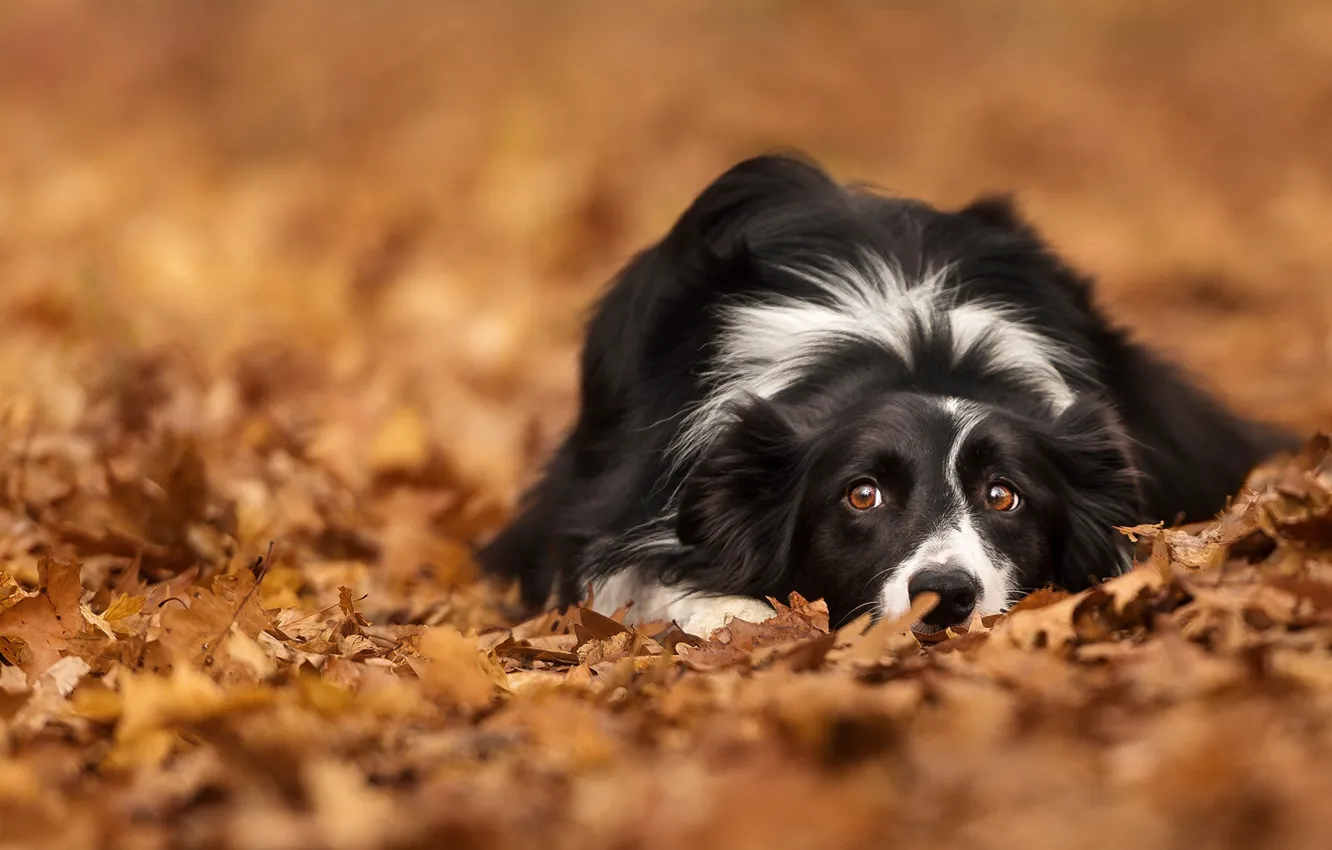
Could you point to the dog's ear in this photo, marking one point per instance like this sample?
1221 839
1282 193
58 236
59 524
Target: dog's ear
719 213
998 211
739 502
1094 455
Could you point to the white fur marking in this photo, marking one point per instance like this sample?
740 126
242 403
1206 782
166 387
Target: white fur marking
766 347
696 613
957 541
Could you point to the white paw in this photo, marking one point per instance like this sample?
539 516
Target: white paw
702 615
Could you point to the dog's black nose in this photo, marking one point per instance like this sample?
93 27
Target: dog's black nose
957 590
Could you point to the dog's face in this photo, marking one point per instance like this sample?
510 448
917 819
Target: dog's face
909 493
915 494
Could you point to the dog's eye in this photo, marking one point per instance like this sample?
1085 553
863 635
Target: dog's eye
863 495
1002 497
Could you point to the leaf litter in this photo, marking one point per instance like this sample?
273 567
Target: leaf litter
222 642
150 710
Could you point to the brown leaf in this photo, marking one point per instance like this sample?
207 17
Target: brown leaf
1125 589
456 672
10 591
46 622
348 606
673 636
589 625
96 620
191 633
740 642
804 655
888 636
556 649
121 609
50 695
154 709
402 444
1049 627
592 652
167 515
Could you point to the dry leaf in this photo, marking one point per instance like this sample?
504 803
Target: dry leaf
46 622
745 643
154 709
1049 627
456 672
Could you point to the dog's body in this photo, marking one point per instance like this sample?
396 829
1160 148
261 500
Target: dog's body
811 388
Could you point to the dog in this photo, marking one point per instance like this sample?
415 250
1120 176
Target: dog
815 387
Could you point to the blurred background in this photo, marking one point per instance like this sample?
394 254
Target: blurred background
379 224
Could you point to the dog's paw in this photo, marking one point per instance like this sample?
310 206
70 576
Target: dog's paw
706 614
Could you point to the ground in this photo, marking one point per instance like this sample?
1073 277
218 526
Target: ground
313 275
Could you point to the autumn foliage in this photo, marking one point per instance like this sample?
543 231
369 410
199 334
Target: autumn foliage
289 306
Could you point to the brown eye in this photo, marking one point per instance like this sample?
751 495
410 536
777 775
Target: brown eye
1002 497
863 495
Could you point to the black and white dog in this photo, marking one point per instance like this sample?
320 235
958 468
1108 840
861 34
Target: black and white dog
812 387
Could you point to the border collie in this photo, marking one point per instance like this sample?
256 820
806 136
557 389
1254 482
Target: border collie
812 387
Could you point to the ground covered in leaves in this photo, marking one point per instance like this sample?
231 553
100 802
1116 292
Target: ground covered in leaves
289 302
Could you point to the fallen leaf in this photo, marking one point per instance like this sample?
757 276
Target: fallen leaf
154 710
50 695
1049 627
402 444
122 608
96 621
889 636
47 621
456 672
740 642
192 631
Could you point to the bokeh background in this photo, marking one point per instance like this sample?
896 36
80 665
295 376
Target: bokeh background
333 210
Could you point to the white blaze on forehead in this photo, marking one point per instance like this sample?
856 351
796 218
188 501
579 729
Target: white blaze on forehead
763 348
956 543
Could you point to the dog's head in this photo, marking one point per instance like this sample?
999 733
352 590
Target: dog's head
810 469
907 493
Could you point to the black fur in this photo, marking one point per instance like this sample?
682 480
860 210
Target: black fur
760 511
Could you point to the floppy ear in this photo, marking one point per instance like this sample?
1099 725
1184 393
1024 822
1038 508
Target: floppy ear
739 503
1093 452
